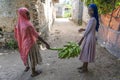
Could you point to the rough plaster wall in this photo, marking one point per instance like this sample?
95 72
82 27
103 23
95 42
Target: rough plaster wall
41 15
8 15
85 15
50 12
109 39
77 11
42 18
59 10
8 12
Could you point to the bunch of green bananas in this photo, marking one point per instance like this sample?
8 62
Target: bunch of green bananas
70 50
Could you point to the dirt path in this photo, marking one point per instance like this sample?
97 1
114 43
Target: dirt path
106 66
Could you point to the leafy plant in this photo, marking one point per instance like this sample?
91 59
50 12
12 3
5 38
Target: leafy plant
67 14
67 11
70 50
11 44
104 6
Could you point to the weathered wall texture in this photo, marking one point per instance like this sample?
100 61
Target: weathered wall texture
8 10
7 14
77 11
85 15
59 10
41 13
115 22
46 16
110 39
50 12
110 36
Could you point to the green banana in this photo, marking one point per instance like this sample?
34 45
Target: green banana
70 50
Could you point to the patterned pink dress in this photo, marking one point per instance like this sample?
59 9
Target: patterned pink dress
89 42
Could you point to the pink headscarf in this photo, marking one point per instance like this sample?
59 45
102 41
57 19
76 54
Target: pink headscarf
25 34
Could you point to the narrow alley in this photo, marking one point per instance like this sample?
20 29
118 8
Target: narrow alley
106 66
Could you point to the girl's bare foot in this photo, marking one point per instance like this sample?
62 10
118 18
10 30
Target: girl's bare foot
36 73
83 70
80 67
26 69
81 30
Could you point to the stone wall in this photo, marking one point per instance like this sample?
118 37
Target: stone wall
115 22
110 36
59 10
7 15
77 11
41 15
8 11
110 39
85 15
50 13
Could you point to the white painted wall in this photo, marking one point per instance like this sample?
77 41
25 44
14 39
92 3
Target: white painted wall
59 10
77 11
85 14
49 13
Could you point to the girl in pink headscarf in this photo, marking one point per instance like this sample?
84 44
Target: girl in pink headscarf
26 36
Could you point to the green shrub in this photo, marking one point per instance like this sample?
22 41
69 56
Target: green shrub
67 15
104 6
11 44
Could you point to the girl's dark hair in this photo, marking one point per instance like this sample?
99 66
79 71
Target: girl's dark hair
95 9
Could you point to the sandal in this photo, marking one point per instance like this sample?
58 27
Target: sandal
36 73
80 68
26 69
